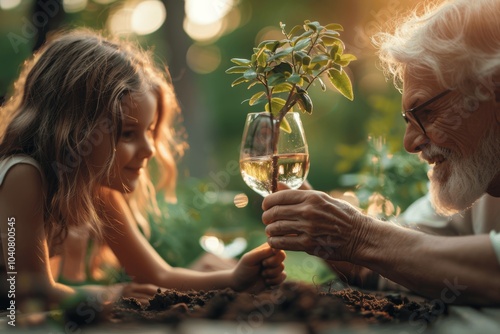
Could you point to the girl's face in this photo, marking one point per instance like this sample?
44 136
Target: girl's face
135 145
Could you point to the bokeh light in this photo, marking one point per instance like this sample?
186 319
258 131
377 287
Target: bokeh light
205 12
104 2
9 4
203 59
268 33
141 18
207 20
73 6
148 16
203 32
120 22
241 200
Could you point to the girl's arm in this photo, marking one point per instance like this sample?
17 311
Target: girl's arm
25 248
257 268
24 242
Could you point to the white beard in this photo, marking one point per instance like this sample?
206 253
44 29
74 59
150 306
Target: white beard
468 177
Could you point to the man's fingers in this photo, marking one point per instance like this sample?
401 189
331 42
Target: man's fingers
283 227
283 197
280 212
293 243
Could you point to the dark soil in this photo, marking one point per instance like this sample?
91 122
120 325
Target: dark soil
297 302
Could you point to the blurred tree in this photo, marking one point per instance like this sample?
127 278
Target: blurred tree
52 15
189 93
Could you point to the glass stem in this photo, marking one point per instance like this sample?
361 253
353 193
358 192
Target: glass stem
275 136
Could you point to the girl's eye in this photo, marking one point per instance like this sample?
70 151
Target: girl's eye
127 135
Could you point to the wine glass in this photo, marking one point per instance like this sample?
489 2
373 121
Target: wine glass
256 154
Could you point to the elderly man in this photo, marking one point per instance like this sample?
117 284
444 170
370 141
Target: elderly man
448 62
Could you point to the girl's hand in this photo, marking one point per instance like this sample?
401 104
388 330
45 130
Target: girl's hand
258 269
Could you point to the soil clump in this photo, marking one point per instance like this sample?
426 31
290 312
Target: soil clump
315 307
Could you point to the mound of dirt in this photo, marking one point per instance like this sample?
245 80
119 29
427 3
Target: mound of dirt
290 302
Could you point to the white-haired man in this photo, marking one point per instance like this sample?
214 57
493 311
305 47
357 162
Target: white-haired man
447 61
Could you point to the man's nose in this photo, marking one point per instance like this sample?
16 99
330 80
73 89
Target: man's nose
414 139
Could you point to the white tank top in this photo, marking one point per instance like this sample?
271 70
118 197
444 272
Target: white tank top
13 160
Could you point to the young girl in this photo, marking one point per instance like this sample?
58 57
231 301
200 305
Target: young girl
86 117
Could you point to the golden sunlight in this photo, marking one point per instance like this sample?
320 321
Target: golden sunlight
203 59
148 16
205 12
73 6
9 4
203 32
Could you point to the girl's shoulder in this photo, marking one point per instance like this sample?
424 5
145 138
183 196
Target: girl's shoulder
21 189
8 163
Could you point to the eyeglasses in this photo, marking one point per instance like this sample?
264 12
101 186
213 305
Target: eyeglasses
410 116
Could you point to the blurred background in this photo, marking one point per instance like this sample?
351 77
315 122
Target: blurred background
355 147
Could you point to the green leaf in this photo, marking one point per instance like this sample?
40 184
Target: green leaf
239 81
282 88
341 82
334 26
331 33
285 126
329 40
334 50
320 48
323 86
257 98
237 69
298 56
284 68
348 56
270 45
262 58
250 74
283 53
304 102
315 66
260 69
294 78
295 30
302 36
306 60
345 59
276 79
268 69
302 44
320 59
253 83
315 26
276 105
241 61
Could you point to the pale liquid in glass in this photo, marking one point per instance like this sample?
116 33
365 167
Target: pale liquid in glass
257 171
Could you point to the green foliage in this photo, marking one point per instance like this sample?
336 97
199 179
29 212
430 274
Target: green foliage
199 211
286 68
394 180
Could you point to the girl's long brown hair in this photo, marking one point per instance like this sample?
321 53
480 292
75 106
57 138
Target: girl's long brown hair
66 98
